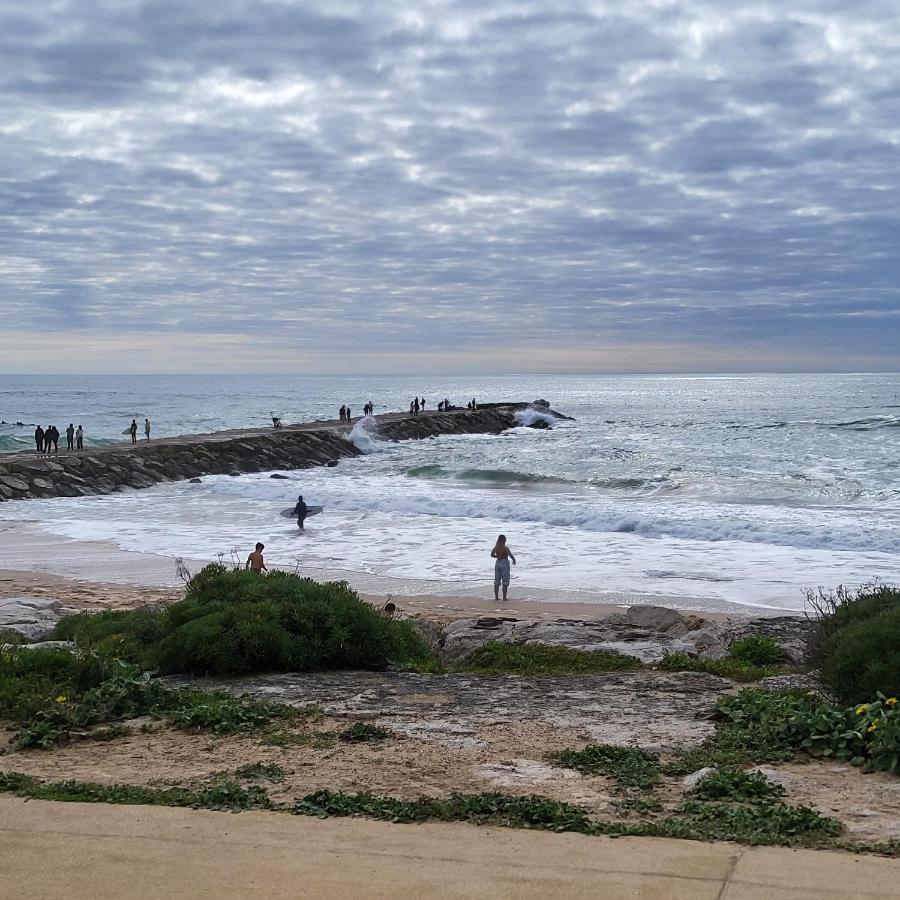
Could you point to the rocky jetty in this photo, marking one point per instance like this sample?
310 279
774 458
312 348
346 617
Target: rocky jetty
125 465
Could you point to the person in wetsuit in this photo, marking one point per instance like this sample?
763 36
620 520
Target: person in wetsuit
39 439
300 512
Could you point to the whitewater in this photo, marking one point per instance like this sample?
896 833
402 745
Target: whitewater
699 491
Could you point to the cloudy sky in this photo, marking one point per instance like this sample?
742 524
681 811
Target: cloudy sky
220 185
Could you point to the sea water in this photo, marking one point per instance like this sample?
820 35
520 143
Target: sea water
695 490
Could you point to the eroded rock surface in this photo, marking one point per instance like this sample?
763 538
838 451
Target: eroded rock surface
32 617
657 710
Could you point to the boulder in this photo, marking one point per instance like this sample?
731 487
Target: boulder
279 476
655 618
689 782
32 617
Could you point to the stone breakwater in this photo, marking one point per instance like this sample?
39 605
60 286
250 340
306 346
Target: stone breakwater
103 471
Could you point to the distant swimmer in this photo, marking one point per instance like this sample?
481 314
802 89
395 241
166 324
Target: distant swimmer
300 512
503 554
255 561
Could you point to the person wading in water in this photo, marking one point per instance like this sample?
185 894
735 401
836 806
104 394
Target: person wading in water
300 512
503 555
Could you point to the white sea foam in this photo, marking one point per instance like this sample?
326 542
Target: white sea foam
530 416
364 435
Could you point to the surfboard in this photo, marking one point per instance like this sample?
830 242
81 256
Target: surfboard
310 511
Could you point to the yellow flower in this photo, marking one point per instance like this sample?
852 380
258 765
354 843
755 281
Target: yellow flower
891 701
862 708
874 725
61 698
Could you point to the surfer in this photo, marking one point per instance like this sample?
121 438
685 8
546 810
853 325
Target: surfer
300 512
502 553
255 561
132 430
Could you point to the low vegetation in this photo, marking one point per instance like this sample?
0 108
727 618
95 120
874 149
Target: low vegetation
630 768
856 642
749 659
55 696
233 622
364 733
543 659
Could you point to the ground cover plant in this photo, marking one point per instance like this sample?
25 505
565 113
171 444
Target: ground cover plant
543 659
364 733
630 768
54 695
233 622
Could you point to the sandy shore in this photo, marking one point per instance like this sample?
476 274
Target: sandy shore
97 574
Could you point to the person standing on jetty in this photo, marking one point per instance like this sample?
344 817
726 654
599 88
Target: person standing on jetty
132 430
51 435
39 439
344 413
70 437
79 438
255 561
147 429
503 554
300 512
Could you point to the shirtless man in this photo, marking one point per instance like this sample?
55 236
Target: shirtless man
255 561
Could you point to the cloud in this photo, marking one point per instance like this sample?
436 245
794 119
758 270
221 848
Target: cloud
383 182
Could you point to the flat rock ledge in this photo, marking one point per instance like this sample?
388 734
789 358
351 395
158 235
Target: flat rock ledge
105 470
34 618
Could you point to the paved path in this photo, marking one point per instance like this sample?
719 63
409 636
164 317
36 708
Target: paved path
86 851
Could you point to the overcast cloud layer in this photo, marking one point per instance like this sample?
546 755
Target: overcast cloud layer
233 185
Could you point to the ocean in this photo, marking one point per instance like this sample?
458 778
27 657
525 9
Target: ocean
700 491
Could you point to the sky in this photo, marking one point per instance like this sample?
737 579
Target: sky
273 186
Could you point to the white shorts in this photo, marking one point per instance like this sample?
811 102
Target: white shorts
501 573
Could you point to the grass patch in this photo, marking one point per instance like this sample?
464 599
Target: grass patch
13 638
498 658
220 796
364 733
735 668
631 768
737 785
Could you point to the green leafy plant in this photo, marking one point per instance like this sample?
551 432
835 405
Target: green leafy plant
738 785
631 768
260 772
756 650
737 669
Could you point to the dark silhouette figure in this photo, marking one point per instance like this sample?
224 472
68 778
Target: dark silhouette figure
348 414
53 431
300 512
132 429
70 437
344 413
416 406
39 439
79 438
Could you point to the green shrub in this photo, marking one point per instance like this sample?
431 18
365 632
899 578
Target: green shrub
738 785
234 622
221 712
500 658
863 658
8 636
756 650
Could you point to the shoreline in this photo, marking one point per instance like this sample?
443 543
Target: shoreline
100 575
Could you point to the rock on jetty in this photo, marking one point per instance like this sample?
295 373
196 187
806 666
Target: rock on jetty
125 465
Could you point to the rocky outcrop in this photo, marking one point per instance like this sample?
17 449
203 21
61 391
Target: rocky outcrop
32 617
647 633
102 471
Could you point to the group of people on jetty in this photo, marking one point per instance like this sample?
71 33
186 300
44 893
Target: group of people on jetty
46 440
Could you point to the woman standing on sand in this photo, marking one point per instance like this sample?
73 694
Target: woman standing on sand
502 553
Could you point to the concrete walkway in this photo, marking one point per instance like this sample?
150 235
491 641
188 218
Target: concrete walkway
84 851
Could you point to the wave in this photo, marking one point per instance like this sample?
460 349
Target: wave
696 522
502 477
364 435
531 416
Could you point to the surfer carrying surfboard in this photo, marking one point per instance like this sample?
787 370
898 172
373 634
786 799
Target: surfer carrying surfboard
300 512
